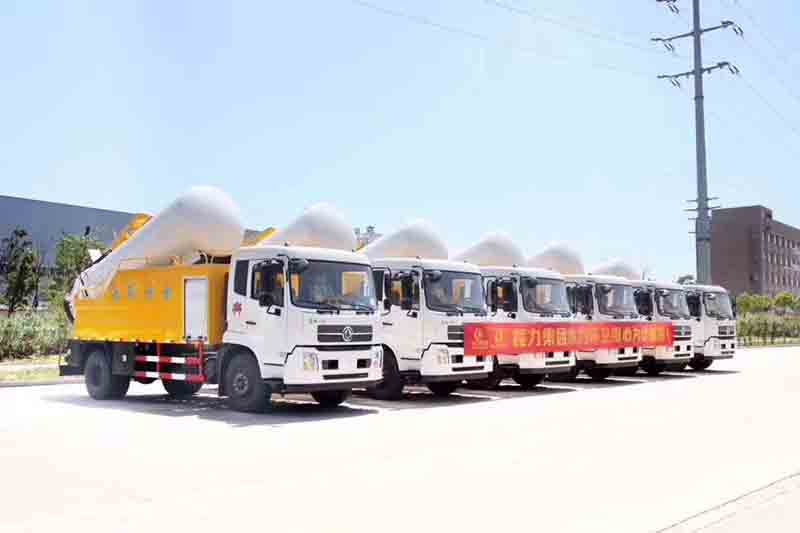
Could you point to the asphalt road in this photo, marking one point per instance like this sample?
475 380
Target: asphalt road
681 452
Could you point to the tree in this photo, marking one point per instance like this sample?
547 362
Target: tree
18 275
72 258
761 303
784 301
686 279
745 303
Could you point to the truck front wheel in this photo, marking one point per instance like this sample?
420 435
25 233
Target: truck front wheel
181 389
243 384
391 388
443 388
628 371
598 374
100 382
701 364
528 381
330 398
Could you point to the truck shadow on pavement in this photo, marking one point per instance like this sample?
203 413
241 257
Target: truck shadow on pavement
282 410
418 397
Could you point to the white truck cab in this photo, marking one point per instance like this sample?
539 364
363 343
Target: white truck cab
665 302
527 295
714 324
518 294
604 298
308 315
429 300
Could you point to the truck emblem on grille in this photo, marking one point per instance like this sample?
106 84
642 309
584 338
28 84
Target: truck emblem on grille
347 334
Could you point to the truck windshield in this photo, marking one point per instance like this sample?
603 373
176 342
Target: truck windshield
454 291
546 296
672 304
718 305
617 300
332 285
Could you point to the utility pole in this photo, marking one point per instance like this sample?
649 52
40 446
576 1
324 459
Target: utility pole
703 221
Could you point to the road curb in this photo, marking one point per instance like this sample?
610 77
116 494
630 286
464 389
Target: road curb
65 381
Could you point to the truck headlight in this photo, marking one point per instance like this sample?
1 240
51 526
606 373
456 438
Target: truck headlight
377 356
310 362
442 355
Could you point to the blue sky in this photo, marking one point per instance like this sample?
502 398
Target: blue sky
123 105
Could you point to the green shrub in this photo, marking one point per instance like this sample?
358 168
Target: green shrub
767 328
26 333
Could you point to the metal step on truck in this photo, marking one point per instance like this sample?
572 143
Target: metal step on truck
518 294
428 300
181 300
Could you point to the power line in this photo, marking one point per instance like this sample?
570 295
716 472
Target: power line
771 106
782 55
456 30
537 15
703 220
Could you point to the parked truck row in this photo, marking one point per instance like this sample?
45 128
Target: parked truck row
183 298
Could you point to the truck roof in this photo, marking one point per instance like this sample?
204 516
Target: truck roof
307 252
428 264
526 271
705 288
612 280
660 285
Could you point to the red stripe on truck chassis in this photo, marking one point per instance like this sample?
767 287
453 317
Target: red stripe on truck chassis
516 339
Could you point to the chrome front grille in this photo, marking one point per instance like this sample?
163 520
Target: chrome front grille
344 333
455 333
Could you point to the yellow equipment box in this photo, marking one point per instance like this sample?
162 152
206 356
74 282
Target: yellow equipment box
170 304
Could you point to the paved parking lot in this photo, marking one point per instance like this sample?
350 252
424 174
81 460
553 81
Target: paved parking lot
632 454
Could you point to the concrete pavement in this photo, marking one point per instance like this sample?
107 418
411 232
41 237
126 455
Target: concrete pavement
634 454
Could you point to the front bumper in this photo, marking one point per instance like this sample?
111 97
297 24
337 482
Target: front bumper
448 363
610 358
310 369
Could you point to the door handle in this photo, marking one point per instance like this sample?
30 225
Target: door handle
250 323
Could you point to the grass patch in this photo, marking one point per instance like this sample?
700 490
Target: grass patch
34 360
33 375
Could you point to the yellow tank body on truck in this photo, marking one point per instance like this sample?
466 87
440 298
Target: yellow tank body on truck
149 305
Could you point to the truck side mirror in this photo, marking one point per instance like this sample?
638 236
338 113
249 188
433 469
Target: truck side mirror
265 299
491 288
298 265
387 304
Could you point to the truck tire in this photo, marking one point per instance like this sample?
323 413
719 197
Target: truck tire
702 364
180 389
599 374
391 388
100 382
496 376
244 386
565 377
442 389
628 371
652 368
330 398
528 381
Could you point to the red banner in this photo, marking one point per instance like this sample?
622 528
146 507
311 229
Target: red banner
515 339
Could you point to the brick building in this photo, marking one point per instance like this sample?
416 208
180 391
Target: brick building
753 252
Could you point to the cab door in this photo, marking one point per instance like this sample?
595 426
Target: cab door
264 316
403 326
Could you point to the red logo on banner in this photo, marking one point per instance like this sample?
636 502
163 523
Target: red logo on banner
515 339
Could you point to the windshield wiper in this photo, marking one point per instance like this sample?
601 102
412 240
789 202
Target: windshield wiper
456 310
361 307
321 307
